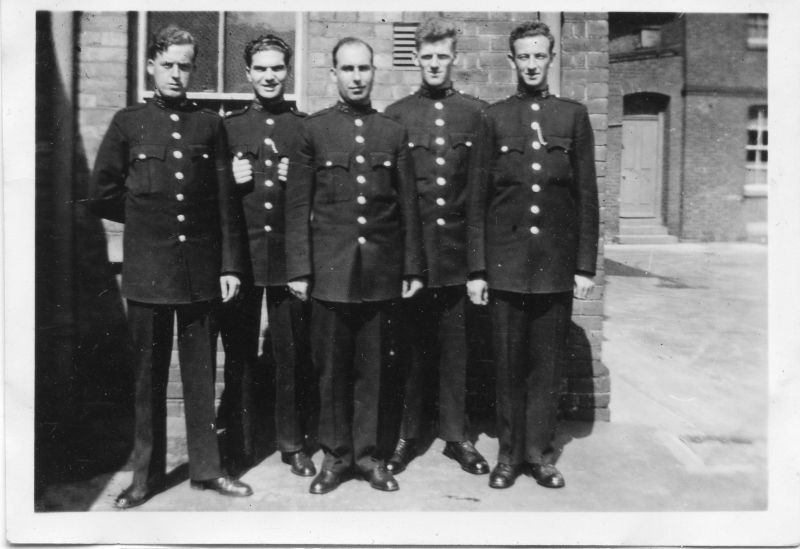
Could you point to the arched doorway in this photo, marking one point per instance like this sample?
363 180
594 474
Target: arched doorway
643 124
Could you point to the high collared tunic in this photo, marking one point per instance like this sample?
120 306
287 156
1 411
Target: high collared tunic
164 171
541 220
263 135
445 130
352 220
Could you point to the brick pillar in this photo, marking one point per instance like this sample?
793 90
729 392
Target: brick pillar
584 77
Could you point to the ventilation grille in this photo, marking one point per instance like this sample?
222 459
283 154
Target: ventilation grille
403 45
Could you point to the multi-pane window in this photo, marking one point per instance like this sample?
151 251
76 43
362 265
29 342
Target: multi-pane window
757 143
221 38
757 27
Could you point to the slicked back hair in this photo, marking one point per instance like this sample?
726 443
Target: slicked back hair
348 41
267 42
528 29
435 29
171 35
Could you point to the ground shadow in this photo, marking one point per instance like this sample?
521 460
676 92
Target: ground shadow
614 268
83 384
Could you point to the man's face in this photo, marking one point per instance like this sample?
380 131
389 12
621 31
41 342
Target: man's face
353 73
267 73
532 60
172 69
435 60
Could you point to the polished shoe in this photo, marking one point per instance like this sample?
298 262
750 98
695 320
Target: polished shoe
301 463
467 456
326 481
130 498
381 479
547 475
224 485
403 454
503 476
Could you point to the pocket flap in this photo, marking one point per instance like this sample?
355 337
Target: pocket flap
199 150
331 159
419 139
511 143
556 142
461 139
143 152
381 159
243 149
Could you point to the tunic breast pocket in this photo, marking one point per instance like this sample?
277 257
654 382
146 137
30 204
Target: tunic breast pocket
333 179
509 156
383 165
203 168
146 168
559 166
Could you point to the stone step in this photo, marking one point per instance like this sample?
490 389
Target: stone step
647 239
642 230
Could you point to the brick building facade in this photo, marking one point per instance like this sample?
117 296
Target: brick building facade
80 338
701 81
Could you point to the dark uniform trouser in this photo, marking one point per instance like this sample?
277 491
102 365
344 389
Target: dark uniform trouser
529 338
296 392
436 342
351 345
151 332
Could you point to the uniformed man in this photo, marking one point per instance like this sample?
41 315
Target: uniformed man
354 247
445 129
163 170
540 230
260 138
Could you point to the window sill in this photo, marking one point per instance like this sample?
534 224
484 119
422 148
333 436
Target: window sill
755 190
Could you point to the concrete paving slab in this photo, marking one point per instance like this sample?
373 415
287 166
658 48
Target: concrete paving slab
685 343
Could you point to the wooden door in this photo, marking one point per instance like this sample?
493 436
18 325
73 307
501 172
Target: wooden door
640 188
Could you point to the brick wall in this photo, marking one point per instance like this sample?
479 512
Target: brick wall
102 89
714 169
482 70
482 67
585 77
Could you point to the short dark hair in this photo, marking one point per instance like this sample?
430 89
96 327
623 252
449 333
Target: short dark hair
267 42
531 28
348 41
171 35
435 29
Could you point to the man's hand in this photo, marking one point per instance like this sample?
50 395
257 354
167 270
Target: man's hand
283 169
411 286
242 170
229 285
299 289
583 285
478 291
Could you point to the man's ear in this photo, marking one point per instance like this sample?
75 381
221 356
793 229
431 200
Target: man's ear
150 66
511 60
415 58
333 74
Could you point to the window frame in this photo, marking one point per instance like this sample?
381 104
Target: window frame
759 123
753 22
298 61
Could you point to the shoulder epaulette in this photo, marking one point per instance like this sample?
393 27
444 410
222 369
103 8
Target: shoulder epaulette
321 112
136 107
297 113
568 100
502 102
237 112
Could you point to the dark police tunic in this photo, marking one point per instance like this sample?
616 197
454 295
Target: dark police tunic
445 129
263 133
353 230
541 222
163 170
541 228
